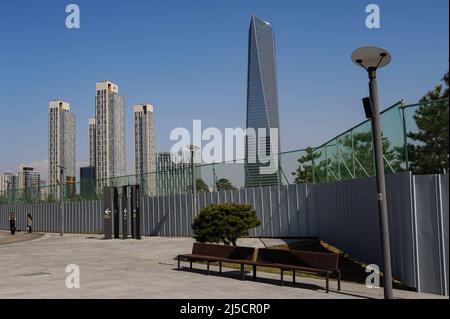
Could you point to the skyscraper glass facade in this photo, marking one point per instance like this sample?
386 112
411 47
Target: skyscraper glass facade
262 105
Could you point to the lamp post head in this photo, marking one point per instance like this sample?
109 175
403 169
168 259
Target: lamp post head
371 58
193 148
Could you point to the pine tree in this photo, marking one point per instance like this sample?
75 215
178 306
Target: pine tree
428 154
224 184
304 172
201 186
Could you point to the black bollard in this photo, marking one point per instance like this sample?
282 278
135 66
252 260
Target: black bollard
107 212
124 212
136 211
116 212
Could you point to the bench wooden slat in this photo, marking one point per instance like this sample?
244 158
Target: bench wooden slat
306 259
222 251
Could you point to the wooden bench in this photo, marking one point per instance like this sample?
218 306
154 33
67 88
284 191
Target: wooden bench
285 260
219 253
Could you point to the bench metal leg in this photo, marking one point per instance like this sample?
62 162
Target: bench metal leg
281 277
293 276
179 262
207 263
327 286
242 271
220 267
254 272
339 280
190 264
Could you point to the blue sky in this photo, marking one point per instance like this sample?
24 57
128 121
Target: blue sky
189 59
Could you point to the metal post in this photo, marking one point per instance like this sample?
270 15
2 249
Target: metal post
339 160
405 138
313 168
194 182
61 200
353 154
214 177
381 185
326 162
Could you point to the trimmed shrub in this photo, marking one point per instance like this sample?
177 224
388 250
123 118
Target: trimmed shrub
224 222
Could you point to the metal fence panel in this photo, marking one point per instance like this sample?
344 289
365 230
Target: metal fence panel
429 234
347 217
445 213
339 223
401 225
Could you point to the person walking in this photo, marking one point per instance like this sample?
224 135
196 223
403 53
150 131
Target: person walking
29 223
12 223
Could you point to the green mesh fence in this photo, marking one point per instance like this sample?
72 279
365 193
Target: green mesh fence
347 156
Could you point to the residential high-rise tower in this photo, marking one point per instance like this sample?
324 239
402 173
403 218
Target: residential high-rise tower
110 133
144 147
8 182
28 180
61 142
92 141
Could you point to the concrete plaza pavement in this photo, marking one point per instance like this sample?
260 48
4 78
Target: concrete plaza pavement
144 269
6 238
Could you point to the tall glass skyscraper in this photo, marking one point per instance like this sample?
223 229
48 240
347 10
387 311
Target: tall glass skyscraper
262 105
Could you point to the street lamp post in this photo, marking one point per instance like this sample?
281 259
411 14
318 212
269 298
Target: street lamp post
193 148
371 59
61 200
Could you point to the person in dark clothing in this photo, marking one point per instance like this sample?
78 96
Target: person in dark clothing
12 223
29 223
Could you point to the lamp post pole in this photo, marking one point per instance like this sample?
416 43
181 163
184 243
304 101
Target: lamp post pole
193 148
194 184
381 184
371 59
61 200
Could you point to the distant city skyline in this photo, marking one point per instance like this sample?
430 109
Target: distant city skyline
202 75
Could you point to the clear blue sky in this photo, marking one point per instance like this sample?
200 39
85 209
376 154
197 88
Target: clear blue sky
189 59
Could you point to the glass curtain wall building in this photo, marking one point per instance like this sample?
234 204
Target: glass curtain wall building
87 182
172 177
262 106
